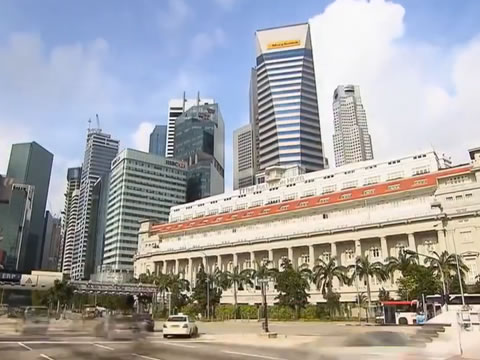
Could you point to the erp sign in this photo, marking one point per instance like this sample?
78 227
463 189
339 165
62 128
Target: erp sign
10 277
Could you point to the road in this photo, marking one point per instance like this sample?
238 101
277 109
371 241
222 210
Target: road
154 348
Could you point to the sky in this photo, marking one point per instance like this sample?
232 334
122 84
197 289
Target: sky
62 62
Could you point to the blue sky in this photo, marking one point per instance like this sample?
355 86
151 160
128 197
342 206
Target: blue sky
62 62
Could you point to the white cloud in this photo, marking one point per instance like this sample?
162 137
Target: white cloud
175 14
203 43
226 4
416 95
48 94
141 137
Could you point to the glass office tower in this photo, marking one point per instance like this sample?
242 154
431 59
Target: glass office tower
158 140
31 164
200 142
287 118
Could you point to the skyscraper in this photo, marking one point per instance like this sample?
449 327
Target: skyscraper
158 140
16 201
31 164
69 219
351 140
143 186
96 231
100 150
243 159
200 142
51 242
177 107
285 100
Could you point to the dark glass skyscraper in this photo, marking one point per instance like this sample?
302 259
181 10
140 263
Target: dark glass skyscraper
158 140
31 164
200 141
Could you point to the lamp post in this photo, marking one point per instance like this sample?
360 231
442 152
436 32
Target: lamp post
438 205
208 286
264 301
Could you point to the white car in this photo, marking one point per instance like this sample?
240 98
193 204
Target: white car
179 325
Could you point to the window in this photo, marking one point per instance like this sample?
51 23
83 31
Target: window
290 197
393 162
458 197
346 196
369 192
284 207
372 180
375 252
241 206
419 182
265 211
458 180
329 189
449 198
326 256
256 203
395 175
466 236
349 254
250 213
420 170
394 187
468 196
349 184
273 200
308 193
325 216
303 204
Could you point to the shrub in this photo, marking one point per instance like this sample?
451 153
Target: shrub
224 312
247 312
278 312
191 310
310 312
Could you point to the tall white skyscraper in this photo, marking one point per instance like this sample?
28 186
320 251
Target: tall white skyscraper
285 104
69 219
243 159
143 186
351 140
100 150
177 107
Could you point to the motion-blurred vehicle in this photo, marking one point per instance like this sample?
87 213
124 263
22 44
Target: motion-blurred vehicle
144 322
117 327
3 309
35 320
89 312
179 325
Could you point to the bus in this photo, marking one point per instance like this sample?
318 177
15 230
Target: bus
397 312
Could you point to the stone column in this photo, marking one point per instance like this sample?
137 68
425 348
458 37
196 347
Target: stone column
358 248
190 270
383 242
442 241
164 267
411 242
252 260
333 250
205 263
235 259
177 267
311 254
290 257
270 256
219 262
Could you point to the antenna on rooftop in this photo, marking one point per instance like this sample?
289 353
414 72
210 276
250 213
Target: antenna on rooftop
98 121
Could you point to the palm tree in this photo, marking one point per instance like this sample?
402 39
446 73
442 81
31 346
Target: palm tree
401 263
263 271
235 279
444 265
324 273
364 269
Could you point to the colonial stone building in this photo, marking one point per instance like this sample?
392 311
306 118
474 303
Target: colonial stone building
418 202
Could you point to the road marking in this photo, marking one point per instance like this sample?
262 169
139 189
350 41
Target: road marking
104 347
24 346
177 344
46 357
252 355
146 357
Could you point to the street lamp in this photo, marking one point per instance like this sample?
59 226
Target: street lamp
264 301
208 286
438 205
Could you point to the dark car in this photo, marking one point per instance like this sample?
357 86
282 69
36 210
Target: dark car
144 322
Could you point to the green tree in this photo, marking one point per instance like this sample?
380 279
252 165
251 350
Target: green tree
333 302
444 265
324 273
61 294
235 279
384 295
418 280
292 286
401 263
206 282
178 287
364 270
